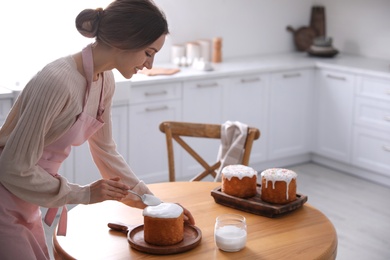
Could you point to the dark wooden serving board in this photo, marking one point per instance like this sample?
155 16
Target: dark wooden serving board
255 205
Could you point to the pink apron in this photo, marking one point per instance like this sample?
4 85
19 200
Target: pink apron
25 223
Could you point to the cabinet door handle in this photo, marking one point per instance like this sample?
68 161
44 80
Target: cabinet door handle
209 85
156 93
292 75
336 77
152 109
249 80
386 148
386 118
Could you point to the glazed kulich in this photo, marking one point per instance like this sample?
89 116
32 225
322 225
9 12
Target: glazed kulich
163 224
239 181
278 185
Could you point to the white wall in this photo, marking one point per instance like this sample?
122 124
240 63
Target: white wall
248 27
251 27
360 27
34 33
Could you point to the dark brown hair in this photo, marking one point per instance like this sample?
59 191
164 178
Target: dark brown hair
124 24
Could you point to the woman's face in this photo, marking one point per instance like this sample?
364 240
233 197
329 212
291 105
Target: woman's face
128 62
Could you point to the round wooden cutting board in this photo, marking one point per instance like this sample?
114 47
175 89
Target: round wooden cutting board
192 238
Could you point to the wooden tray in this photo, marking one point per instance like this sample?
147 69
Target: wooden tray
255 205
192 238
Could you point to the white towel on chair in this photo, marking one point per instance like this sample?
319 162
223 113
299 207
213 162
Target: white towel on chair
233 137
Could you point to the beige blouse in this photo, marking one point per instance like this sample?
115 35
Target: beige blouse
46 109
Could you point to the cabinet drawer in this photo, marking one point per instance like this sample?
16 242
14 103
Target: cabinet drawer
372 150
374 87
372 113
155 92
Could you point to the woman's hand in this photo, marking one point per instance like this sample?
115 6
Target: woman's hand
188 218
107 189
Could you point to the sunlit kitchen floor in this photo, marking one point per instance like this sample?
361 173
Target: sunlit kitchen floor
358 209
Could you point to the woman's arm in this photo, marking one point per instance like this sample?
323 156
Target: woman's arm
46 103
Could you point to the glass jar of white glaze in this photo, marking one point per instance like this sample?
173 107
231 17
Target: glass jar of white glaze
230 232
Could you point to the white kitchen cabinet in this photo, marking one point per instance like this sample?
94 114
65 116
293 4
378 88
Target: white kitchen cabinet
151 105
350 126
372 113
290 120
202 100
245 100
335 100
371 143
5 106
80 167
372 150
202 103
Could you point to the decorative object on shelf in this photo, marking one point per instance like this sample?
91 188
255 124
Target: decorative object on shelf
201 64
192 52
303 37
205 49
217 50
322 47
177 53
184 55
317 20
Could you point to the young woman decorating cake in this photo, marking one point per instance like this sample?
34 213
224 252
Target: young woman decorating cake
65 104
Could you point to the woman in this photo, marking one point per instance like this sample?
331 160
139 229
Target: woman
65 104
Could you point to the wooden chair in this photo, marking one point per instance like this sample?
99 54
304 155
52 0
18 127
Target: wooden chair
174 130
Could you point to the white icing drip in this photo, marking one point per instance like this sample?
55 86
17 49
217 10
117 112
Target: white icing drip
164 210
278 174
239 171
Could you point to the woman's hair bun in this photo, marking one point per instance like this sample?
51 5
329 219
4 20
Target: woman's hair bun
87 22
124 24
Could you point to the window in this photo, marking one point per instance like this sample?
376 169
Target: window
34 33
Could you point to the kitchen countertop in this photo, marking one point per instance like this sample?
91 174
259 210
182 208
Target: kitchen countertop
257 64
269 63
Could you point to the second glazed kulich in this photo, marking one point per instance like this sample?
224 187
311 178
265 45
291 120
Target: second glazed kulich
163 224
239 181
278 186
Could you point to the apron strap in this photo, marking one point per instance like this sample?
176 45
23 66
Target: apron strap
101 103
62 223
88 70
86 54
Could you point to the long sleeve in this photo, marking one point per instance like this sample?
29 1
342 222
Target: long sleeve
46 108
105 155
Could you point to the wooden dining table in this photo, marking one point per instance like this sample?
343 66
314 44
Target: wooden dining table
305 233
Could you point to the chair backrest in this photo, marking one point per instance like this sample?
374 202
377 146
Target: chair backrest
174 130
